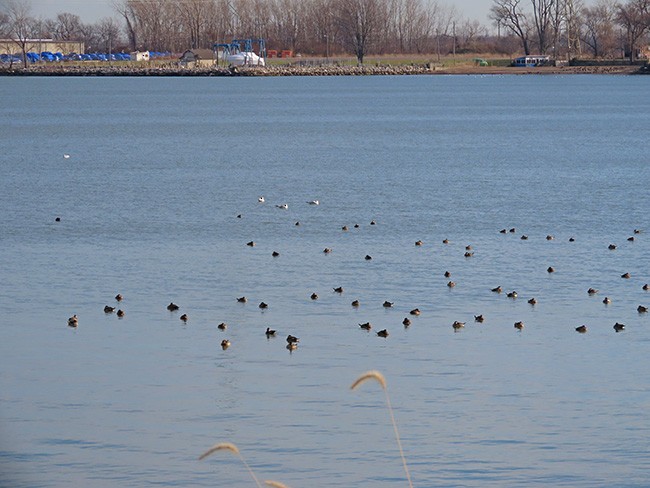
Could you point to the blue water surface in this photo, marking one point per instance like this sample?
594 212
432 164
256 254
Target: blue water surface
158 198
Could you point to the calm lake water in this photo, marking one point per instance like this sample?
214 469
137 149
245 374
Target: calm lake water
160 169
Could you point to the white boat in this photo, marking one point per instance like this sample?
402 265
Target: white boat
245 58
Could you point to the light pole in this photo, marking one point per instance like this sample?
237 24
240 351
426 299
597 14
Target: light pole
327 48
454 43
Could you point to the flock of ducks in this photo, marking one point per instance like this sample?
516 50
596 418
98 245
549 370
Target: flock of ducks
292 341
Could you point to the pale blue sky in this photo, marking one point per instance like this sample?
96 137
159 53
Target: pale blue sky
93 10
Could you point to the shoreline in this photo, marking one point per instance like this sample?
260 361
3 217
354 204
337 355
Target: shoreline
324 70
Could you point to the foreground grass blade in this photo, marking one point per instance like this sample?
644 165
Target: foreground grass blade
232 448
377 376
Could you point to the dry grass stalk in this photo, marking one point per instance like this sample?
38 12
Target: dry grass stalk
232 448
376 375
218 447
275 484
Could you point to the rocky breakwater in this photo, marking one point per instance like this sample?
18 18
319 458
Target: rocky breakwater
172 69
303 69
336 70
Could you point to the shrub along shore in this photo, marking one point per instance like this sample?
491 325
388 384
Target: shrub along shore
309 70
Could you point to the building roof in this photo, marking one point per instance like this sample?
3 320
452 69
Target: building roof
198 54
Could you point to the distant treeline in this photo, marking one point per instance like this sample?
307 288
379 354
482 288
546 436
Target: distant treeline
562 28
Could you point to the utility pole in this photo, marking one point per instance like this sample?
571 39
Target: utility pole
453 27
327 48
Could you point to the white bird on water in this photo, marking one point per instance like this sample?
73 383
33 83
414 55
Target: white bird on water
66 156
260 199
314 202
283 206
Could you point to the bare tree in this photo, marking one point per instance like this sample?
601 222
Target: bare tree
123 8
509 14
409 25
20 24
289 19
323 27
634 17
543 11
469 33
571 16
66 27
195 17
420 29
598 28
444 17
108 34
359 21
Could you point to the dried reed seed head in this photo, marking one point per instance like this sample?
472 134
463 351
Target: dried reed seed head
275 484
218 447
376 375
